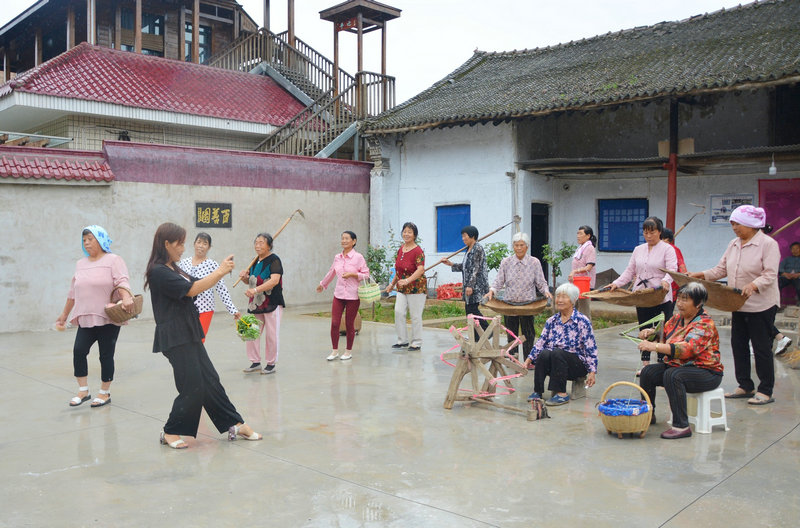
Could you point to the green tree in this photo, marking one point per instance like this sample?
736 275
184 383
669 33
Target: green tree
555 257
495 253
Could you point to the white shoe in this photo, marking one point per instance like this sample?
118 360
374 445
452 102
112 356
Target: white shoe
783 346
333 356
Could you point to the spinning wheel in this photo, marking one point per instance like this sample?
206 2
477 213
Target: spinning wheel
484 357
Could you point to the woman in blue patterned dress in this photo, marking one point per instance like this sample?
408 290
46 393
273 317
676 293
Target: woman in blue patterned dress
566 350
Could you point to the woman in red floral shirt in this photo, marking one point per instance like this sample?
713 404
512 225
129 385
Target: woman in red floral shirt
690 347
412 289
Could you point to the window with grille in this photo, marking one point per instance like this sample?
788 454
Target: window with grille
620 223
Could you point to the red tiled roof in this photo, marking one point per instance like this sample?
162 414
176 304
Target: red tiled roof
36 163
105 75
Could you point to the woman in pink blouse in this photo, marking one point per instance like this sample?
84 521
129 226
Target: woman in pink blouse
644 269
96 277
585 259
350 268
751 264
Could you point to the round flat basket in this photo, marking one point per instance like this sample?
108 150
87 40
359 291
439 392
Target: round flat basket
720 297
645 298
628 415
503 308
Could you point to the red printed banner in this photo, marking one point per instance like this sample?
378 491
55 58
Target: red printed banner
347 24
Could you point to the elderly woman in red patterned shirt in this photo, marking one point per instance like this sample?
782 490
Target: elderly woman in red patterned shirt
691 348
521 275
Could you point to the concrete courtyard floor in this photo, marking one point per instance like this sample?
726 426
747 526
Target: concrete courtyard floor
368 443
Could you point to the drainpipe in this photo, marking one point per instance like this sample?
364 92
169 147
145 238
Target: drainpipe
672 164
514 191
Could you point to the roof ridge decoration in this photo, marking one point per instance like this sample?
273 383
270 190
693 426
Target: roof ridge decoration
753 43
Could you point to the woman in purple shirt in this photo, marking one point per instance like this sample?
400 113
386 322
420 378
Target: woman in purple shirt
349 268
644 268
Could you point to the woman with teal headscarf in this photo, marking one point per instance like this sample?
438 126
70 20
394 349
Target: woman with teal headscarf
97 276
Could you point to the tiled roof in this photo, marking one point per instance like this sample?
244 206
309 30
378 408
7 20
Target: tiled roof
34 163
105 75
755 43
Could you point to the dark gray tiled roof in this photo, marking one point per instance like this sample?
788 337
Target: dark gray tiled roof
755 43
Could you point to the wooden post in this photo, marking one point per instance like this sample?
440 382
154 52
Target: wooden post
71 27
336 67
91 22
182 35
137 27
384 83
290 28
195 32
6 66
37 47
266 15
360 111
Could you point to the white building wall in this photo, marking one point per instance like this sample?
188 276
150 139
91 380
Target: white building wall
701 243
465 165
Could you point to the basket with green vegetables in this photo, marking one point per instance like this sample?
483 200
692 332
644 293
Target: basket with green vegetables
247 327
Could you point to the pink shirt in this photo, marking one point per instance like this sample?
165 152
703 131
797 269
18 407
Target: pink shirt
352 262
757 262
644 266
588 256
91 289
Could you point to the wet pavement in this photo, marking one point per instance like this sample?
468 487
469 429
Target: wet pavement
368 443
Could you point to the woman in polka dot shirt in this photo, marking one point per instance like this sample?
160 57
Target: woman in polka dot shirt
200 266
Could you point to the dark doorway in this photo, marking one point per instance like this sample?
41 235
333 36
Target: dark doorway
540 229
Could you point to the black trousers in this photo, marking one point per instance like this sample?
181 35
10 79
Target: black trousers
561 366
645 314
677 381
106 338
755 328
472 308
522 325
199 388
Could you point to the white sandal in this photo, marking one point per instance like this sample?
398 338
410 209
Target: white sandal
74 402
177 444
99 402
233 432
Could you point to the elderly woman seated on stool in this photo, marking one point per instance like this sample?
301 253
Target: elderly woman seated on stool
566 350
690 348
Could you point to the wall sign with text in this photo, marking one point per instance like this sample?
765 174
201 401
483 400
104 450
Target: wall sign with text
212 214
722 205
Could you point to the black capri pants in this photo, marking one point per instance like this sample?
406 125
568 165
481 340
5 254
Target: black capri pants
106 338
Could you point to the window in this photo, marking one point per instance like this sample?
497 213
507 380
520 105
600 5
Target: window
620 223
151 24
449 221
205 43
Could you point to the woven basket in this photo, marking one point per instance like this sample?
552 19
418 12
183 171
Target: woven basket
117 313
720 296
369 292
627 424
503 308
645 298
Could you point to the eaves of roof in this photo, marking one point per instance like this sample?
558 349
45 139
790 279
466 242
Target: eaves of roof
131 80
39 165
754 45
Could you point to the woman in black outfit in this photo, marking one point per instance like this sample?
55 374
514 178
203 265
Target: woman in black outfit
179 337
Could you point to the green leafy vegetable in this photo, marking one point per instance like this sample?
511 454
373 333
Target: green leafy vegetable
247 327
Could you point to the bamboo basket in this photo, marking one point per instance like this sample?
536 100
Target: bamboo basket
644 298
626 424
503 308
720 296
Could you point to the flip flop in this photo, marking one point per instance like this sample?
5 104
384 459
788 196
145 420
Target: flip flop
738 395
760 400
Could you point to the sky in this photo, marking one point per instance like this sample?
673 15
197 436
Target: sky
434 37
